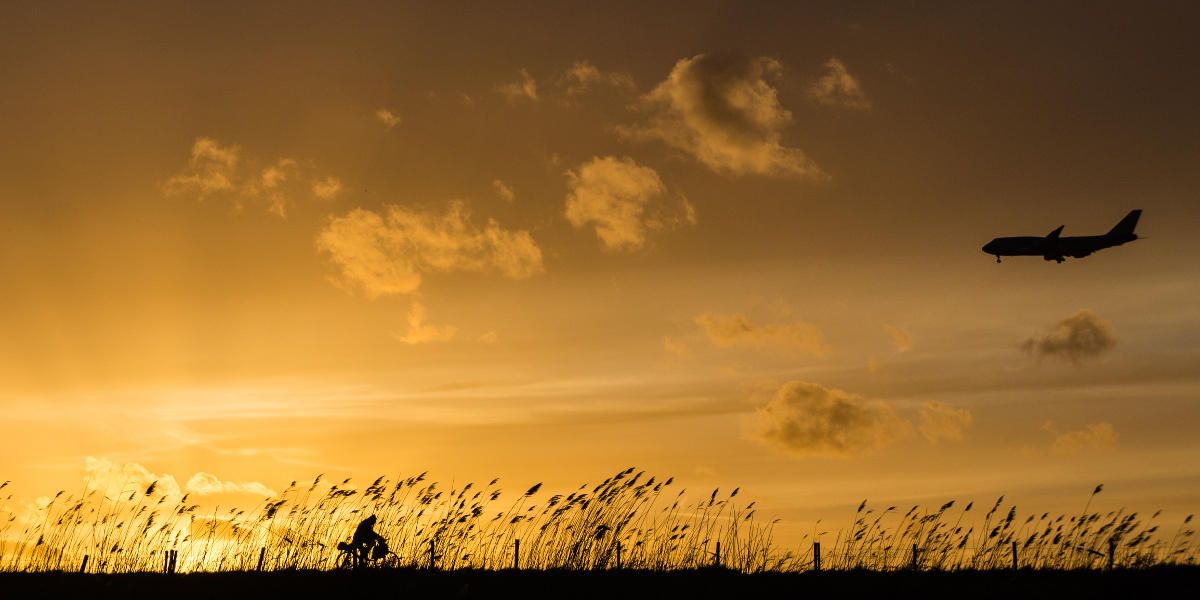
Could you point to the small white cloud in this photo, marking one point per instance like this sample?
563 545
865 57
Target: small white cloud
1093 437
941 423
388 118
807 419
126 480
583 77
420 331
622 201
328 188
203 484
900 338
386 253
216 170
837 87
504 190
523 90
212 168
1077 338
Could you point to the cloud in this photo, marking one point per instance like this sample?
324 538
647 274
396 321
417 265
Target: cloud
388 118
807 419
212 168
271 185
519 91
583 77
421 332
216 170
837 87
504 190
724 112
328 188
1093 437
387 252
900 338
119 481
1077 338
736 330
490 337
203 484
943 423
622 201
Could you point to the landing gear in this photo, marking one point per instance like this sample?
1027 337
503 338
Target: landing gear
997 259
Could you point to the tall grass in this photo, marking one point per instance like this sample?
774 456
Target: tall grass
951 538
656 527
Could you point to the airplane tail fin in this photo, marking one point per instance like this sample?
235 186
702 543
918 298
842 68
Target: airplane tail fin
1125 227
1056 233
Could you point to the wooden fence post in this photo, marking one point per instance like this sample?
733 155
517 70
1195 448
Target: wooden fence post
83 566
167 561
914 557
1014 556
174 556
432 557
618 556
1112 553
262 555
717 556
516 554
816 556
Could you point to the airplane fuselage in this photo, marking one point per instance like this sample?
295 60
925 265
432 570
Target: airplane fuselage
1056 248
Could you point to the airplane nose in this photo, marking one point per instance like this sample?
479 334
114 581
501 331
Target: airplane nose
987 248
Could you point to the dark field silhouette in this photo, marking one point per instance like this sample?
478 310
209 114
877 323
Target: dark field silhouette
628 522
1156 582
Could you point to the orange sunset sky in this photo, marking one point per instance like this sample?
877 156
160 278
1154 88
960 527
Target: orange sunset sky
734 243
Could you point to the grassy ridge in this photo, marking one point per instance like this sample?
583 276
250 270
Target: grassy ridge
1151 582
629 520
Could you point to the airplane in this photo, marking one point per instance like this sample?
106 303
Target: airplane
1057 248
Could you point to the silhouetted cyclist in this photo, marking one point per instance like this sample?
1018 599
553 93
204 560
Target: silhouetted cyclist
365 541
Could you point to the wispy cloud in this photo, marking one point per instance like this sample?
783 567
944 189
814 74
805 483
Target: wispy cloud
504 190
724 112
420 331
900 338
1093 437
583 77
736 330
328 188
837 87
523 90
216 170
942 423
1079 337
387 252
